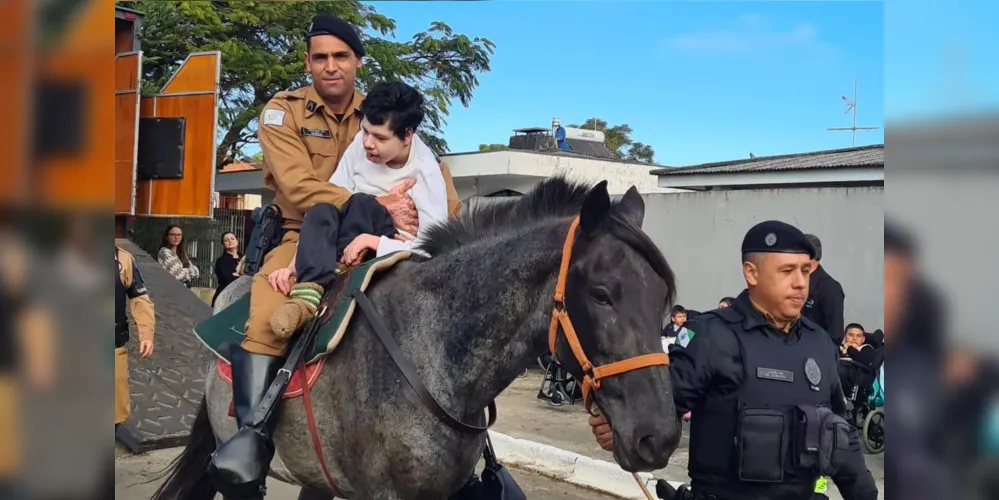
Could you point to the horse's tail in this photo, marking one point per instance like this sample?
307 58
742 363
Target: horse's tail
187 475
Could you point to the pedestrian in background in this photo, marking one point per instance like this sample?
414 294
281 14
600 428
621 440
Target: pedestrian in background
825 297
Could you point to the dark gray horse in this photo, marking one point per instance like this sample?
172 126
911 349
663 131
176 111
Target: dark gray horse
470 319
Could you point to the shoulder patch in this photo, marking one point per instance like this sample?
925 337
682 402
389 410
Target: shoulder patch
273 117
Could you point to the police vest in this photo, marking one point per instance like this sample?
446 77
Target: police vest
751 435
120 303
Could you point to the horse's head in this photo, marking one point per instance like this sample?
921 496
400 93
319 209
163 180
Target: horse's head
617 288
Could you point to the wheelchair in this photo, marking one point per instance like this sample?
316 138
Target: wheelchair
558 387
863 385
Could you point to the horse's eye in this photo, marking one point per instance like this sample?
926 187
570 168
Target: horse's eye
600 296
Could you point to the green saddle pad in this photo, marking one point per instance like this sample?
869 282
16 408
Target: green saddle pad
227 326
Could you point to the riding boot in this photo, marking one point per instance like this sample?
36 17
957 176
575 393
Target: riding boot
472 490
239 466
299 309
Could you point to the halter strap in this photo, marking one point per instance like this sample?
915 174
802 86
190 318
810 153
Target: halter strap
592 375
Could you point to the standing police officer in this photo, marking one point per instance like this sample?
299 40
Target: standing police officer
129 290
762 383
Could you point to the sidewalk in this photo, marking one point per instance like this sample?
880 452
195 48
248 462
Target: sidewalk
523 416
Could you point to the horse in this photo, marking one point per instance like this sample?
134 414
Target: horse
469 318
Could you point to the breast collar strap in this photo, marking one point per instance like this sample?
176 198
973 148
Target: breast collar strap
592 375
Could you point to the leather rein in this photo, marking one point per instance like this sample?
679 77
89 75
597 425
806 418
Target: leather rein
592 375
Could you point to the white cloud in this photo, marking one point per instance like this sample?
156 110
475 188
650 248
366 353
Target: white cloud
750 34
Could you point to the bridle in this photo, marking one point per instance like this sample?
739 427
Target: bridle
592 375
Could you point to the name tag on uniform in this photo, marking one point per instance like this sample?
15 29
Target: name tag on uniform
316 132
774 374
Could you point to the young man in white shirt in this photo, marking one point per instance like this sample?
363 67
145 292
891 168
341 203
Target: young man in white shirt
386 156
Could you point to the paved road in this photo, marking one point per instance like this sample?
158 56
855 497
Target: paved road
132 472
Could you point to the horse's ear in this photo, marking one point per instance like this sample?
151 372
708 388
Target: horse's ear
596 206
632 207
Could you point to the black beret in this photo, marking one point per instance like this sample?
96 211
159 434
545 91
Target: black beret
774 236
327 24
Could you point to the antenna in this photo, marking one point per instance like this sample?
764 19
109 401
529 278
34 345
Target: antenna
851 105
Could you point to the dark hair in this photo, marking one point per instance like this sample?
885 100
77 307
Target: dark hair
181 251
396 104
854 325
816 244
677 309
227 233
727 300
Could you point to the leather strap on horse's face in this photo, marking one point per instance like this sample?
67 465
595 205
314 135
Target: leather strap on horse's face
592 375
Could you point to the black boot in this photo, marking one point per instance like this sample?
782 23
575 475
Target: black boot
472 490
239 467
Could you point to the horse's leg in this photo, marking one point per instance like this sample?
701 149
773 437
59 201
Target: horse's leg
311 494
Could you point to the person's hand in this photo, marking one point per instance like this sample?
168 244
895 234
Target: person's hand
602 431
356 250
401 207
281 280
145 349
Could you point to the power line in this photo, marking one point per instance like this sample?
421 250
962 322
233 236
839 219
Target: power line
851 105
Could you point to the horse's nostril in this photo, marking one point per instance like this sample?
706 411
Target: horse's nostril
649 449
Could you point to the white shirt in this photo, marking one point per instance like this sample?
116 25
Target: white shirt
358 175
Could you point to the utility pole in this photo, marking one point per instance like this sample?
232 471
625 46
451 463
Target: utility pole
851 105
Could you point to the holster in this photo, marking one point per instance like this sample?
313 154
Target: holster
266 235
120 335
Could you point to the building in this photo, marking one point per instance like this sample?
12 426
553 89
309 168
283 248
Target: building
533 154
239 200
837 195
859 166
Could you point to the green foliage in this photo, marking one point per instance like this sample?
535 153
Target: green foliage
263 46
618 141
492 147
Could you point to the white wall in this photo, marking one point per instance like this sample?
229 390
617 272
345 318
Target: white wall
520 170
700 234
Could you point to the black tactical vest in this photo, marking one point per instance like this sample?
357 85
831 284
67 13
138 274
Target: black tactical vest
120 303
749 435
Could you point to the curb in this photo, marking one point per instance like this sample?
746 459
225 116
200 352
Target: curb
562 465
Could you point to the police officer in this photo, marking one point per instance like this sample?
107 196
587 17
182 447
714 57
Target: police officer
825 297
129 291
761 382
303 134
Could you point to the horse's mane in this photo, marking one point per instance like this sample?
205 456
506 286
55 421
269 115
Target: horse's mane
552 197
555 197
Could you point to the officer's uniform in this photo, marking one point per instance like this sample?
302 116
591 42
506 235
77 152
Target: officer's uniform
129 291
749 383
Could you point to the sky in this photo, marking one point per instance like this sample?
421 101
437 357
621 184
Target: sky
698 81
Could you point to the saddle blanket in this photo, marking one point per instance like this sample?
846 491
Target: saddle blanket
227 326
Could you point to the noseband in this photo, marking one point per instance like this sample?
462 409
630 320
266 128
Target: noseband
592 375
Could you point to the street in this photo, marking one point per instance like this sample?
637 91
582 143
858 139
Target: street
132 473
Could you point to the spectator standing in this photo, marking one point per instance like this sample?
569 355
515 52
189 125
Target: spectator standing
725 302
825 297
173 256
227 264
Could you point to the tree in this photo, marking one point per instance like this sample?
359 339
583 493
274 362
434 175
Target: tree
618 141
263 43
492 147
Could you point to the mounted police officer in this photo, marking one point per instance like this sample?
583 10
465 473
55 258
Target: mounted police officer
761 382
129 291
303 134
